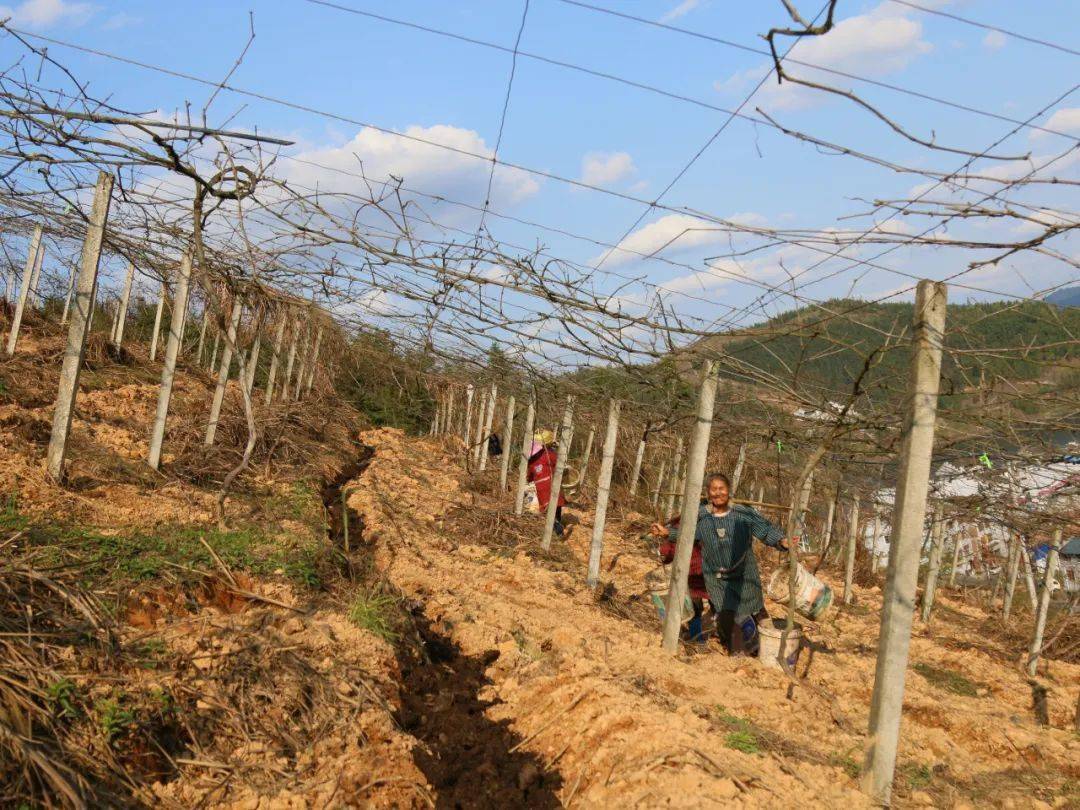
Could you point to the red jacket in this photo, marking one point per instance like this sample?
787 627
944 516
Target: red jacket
695 582
541 470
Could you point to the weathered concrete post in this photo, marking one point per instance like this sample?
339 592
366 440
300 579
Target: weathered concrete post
826 538
875 563
566 438
1029 575
507 443
163 292
1010 582
223 372
451 401
659 484
467 426
849 558
285 380
909 517
523 463
695 477
35 281
214 353
736 476
122 310
86 287
24 290
314 361
937 535
603 492
585 456
70 295
202 333
482 405
489 419
1044 605
275 358
168 369
639 457
253 357
673 478
302 354
957 537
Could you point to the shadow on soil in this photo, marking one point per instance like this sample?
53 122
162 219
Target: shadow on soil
468 757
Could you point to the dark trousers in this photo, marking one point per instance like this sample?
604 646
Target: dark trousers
740 637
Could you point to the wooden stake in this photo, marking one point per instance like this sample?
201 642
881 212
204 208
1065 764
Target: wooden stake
168 370
909 517
566 438
85 286
523 464
699 450
24 290
937 534
223 372
603 492
1044 605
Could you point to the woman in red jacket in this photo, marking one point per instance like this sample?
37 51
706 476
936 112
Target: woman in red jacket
541 470
695 582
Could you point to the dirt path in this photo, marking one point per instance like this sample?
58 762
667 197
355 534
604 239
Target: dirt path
608 719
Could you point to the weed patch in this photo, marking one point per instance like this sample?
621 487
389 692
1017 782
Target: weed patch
374 612
742 734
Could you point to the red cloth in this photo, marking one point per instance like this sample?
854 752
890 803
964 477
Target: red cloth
695 582
541 470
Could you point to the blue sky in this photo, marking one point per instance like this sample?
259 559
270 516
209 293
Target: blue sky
607 134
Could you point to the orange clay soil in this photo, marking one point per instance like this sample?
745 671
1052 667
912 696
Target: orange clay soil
613 721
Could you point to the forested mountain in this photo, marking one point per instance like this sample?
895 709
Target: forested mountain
1065 297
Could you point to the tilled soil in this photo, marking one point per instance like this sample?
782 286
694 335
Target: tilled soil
581 680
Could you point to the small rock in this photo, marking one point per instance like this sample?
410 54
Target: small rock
527 775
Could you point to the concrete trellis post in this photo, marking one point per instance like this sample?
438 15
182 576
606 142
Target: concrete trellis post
523 463
603 492
1044 605
507 443
122 309
9 284
253 357
35 280
826 538
467 426
290 361
849 558
909 517
736 475
202 334
673 478
85 286
482 405
67 299
162 293
314 361
937 534
24 290
695 476
451 401
1029 576
168 369
586 456
1010 582
214 352
875 534
275 358
301 370
223 372
659 484
566 438
489 419
957 537
635 474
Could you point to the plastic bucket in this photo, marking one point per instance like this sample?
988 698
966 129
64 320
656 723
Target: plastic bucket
658 582
813 598
771 632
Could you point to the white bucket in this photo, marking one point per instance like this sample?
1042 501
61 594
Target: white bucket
813 598
658 582
770 634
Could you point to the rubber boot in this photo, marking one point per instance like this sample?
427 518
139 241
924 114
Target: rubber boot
695 630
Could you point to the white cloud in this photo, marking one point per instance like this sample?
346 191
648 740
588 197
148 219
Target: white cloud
120 20
1066 119
674 233
994 40
606 168
43 13
421 166
681 10
884 40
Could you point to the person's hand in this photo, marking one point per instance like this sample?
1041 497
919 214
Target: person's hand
658 530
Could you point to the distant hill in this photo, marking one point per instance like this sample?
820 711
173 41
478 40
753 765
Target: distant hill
826 351
1065 297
